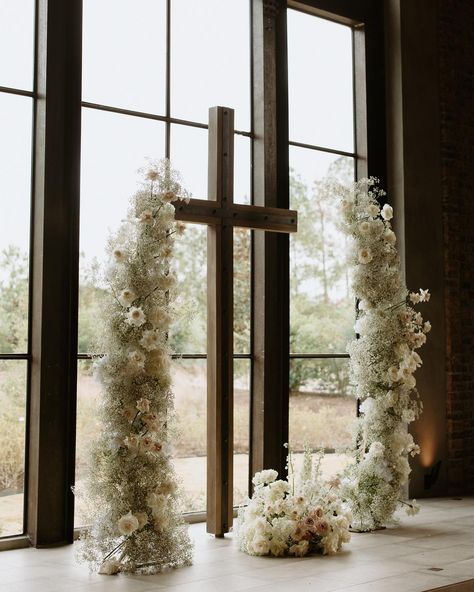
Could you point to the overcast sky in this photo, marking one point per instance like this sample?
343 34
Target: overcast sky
124 66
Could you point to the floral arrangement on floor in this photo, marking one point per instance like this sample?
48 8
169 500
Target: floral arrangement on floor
383 360
131 490
295 516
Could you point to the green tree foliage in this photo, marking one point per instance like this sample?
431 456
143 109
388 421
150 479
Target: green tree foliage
322 308
13 301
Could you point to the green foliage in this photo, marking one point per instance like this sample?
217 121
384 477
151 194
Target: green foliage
322 307
13 301
12 423
91 296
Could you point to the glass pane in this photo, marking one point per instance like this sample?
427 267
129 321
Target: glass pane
320 81
88 428
189 154
190 392
242 169
210 61
114 147
321 304
322 409
188 334
189 149
17 37
124 54
15 191
241 429
242 288
12 445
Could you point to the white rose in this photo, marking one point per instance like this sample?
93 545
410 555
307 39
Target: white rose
393 373
137 359
364 227
110 567
390 237
387 212
267 476
150 340
299 550
142 518
127 524
168 282
159 318
277 548
260 545
373 210
427 327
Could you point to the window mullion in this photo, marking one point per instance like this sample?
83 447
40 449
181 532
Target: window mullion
55 254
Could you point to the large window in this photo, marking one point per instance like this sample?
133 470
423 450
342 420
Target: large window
16 110
149 74
149 98
321 133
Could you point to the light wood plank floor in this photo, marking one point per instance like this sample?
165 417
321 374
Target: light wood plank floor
394 560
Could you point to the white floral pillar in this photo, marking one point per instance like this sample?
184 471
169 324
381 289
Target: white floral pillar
131 490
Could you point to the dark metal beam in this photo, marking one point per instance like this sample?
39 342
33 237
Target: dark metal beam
55 252
270 369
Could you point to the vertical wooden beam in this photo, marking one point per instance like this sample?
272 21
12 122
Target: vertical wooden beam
220 343
270 368
55 253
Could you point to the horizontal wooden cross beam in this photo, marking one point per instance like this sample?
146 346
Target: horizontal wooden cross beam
202 211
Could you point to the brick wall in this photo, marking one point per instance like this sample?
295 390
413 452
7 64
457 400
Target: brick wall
456 45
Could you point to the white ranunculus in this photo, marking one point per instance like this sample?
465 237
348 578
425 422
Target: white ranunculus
127 524
387 212
126 297
168 197
146 217
135 316
365 255
120 255
143 405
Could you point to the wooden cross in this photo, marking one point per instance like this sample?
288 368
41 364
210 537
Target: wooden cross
222 215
